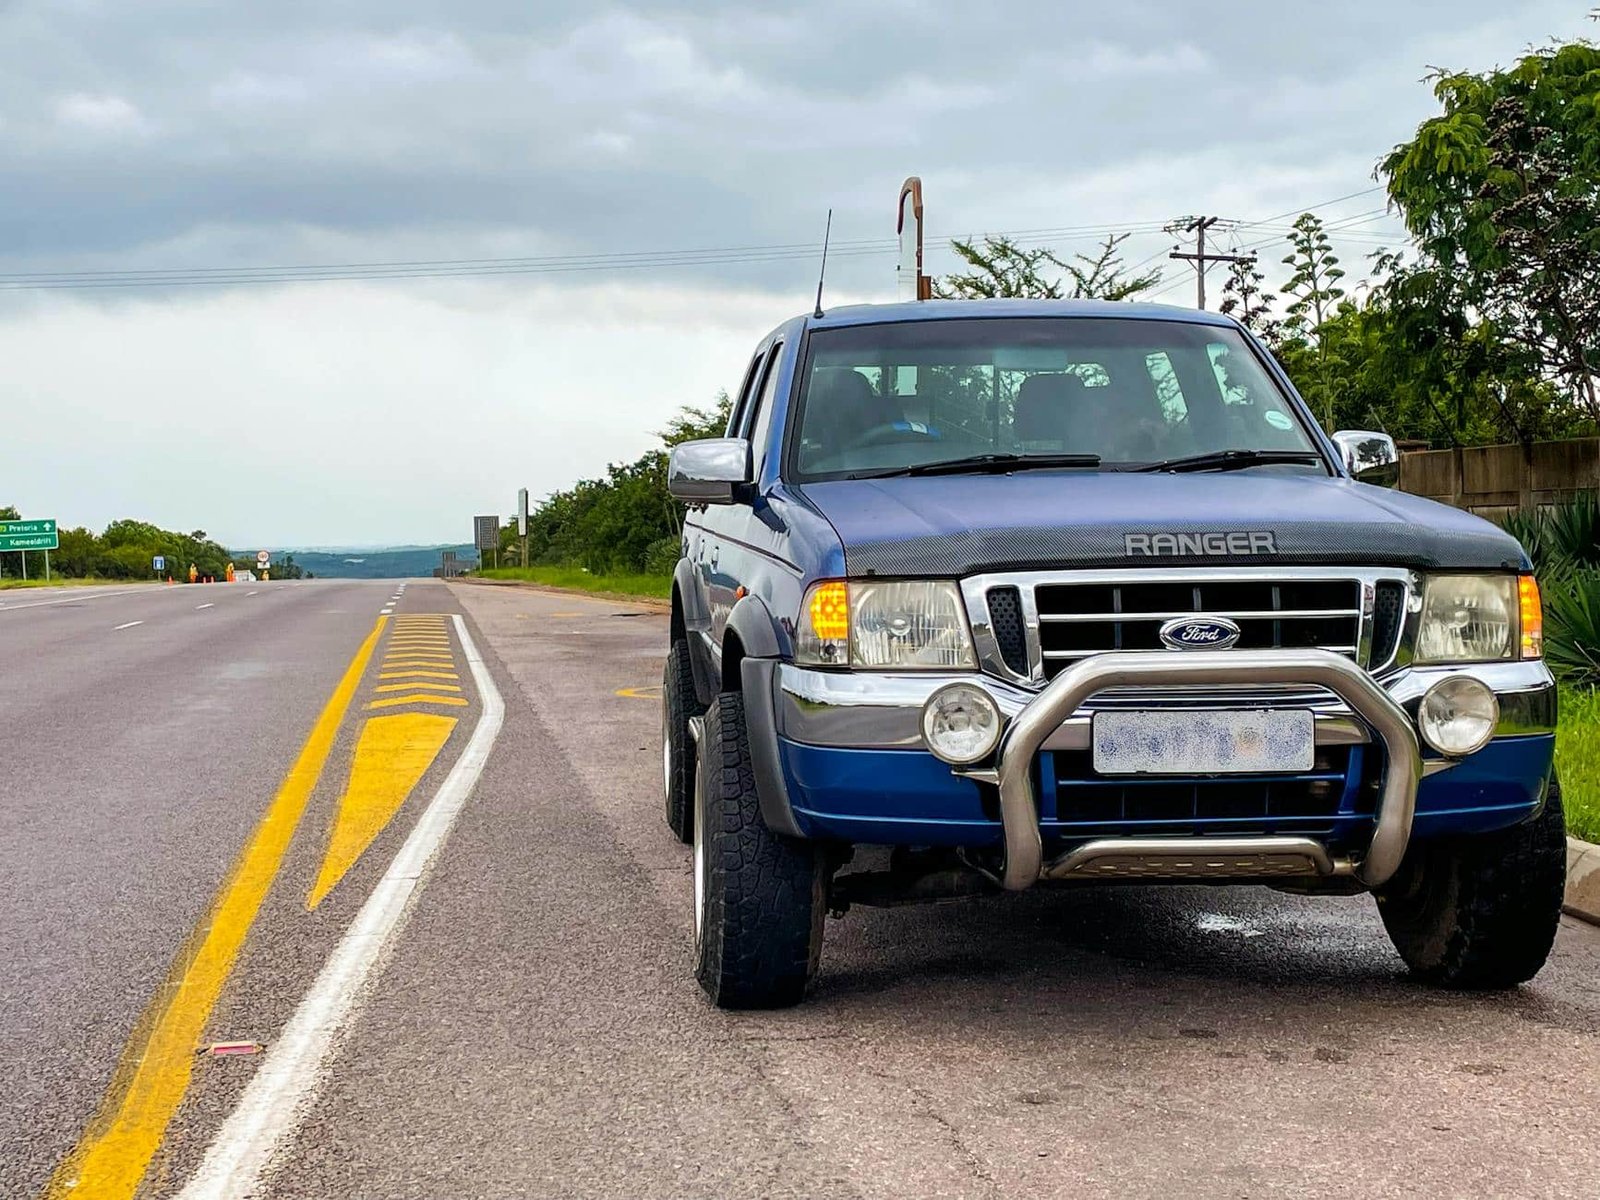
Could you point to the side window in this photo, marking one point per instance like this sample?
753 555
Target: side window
762 424
741 403
1169 393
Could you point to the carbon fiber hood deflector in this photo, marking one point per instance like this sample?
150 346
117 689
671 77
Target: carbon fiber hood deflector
950 526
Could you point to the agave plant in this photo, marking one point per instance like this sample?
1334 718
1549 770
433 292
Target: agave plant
1571 529
1530 527
1572 626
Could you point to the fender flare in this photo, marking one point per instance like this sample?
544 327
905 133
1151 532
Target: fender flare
751 622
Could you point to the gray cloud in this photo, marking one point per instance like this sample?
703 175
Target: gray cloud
191 134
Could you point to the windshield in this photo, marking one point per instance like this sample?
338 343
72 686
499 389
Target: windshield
880 399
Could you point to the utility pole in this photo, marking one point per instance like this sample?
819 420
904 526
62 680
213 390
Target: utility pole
1198 227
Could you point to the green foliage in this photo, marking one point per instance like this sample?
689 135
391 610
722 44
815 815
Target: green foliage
1578 761
652 585
1572 628
1501 191
1564 544
1001 268
125 551
625 523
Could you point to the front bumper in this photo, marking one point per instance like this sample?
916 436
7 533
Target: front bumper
850 761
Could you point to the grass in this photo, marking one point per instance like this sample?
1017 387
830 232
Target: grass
1578 760
58 581
648 587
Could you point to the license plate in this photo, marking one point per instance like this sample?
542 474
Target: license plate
1203 742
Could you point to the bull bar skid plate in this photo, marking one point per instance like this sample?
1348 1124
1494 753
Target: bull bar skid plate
1234 857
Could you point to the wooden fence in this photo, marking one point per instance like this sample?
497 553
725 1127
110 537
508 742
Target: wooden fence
1493 480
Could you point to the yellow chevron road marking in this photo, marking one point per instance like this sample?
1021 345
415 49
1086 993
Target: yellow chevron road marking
418 675
153 1075
406 687
419 698
392 755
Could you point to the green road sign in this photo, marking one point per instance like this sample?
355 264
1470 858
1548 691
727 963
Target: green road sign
28 535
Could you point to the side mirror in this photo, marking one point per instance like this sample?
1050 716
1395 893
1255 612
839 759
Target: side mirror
1370 457
709 471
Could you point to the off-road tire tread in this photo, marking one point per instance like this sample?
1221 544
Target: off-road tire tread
678 694
764 891
1486 912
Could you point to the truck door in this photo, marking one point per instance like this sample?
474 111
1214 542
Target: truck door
729 562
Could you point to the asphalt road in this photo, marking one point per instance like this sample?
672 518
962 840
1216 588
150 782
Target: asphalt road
532 1027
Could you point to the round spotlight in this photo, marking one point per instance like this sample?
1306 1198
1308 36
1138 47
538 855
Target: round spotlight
961 723
1458 715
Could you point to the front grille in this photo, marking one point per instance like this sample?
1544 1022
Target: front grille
1005 618
1080 619
1327 801
1388 617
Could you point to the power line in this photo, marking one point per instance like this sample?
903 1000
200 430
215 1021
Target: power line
466 268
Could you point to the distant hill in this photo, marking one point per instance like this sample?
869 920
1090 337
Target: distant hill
397 562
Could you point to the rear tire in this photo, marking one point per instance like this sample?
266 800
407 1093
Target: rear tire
679 703
1481 911
759 896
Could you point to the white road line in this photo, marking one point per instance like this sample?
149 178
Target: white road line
70 600
198 607
281 1092
386 611
129 625
252 593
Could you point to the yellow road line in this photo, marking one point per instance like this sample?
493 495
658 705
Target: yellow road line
406 687
438 642
392 754
649 691
390 664
154 1071
417 675
419 698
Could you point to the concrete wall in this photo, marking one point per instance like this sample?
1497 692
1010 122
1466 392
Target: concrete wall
1493 480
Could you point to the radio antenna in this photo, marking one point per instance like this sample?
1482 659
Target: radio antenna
823 274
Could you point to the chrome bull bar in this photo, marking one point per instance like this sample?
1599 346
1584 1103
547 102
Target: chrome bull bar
1202 857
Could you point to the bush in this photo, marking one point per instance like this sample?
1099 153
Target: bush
1572 627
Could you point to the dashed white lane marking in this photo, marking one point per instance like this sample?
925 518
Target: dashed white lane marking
198 607
129 625
386 611
252 593
69 600
283 1088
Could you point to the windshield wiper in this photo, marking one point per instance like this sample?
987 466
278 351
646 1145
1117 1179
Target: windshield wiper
989 463
1230 460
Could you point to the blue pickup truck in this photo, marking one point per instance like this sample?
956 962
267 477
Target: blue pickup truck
979 596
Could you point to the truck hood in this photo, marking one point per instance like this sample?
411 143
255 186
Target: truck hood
953 525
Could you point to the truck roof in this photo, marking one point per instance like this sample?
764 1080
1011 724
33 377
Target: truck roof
946 310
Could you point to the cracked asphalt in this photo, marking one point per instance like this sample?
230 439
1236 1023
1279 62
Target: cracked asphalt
536 1030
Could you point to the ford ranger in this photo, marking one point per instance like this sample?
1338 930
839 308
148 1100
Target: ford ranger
979 596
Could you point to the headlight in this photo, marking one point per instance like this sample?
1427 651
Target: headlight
1458 715
917 624
1468 618
960 723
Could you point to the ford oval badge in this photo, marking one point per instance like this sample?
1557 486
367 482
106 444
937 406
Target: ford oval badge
1199 633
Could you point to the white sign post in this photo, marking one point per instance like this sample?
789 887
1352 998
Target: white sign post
522 522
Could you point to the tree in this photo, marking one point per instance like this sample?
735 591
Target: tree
1245 298
1501 191
1002 268
1314 293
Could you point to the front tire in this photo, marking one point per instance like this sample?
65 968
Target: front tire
1481 911
678 704
759 896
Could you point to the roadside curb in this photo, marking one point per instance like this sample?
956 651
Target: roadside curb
1583 880
651 602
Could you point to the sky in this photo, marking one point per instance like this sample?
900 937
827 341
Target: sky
194 140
